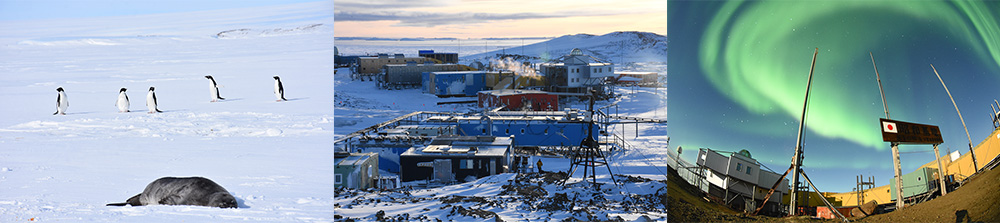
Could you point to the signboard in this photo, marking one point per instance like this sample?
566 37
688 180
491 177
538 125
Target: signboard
909 133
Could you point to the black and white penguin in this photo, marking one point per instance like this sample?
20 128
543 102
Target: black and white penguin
279 90
151 101
61 102
214 88
122 101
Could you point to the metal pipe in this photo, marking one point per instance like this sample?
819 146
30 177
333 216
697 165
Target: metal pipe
832 209
879 80
898 173
971 151
937 155
796 161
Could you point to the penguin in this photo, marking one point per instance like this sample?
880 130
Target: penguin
122 102
279 90
151 101
61 102
214 88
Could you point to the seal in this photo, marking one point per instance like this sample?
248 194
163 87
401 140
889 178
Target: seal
198 191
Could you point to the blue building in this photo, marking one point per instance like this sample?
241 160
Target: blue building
558 128
453 83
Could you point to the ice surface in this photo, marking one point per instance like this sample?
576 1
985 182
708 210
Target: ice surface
274 157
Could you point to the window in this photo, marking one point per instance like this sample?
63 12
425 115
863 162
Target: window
370 173
738 166
484 131
465 164
748 169
522 131
338 179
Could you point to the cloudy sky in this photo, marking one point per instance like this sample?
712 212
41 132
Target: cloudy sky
488 18
55 9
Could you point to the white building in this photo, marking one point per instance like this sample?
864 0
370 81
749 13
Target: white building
739 180
355 170
577 70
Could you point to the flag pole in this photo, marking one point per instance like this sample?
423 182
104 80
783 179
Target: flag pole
971 152
797 160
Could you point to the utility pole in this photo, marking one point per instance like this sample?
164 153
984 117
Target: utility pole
971 152
937 156
898 172
879 80
896 167
797 159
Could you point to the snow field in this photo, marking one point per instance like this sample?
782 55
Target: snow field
274 157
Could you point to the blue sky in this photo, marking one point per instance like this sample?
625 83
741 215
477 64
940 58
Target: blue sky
58 9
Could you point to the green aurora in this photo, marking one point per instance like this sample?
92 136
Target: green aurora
758 53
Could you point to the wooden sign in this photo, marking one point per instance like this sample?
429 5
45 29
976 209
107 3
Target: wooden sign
909 133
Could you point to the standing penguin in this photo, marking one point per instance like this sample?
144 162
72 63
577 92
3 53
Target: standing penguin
61 102
151 101
122 102
214 88
279 90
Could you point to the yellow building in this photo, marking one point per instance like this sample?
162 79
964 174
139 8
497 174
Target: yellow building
373 65
961 168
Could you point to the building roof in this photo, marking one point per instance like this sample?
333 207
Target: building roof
463 146
506 92
458 72
576 57
634 73
552 116
354 159
420 65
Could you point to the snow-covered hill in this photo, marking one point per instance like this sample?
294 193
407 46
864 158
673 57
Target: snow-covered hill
618 47
274 157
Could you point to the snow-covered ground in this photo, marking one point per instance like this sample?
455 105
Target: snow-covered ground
360 104
274 157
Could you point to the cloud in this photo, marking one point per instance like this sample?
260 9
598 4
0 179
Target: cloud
369 4
430 19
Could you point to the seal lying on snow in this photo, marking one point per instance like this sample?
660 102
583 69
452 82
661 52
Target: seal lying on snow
182 191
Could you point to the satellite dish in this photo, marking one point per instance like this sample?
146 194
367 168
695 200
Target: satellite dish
745 153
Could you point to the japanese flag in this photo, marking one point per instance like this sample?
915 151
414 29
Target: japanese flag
889 127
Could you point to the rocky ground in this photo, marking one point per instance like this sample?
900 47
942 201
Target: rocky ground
976 201
509 197
688 205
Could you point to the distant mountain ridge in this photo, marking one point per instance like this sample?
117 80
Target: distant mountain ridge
621 46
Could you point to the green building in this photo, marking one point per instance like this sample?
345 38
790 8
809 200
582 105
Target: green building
918 182
355 170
